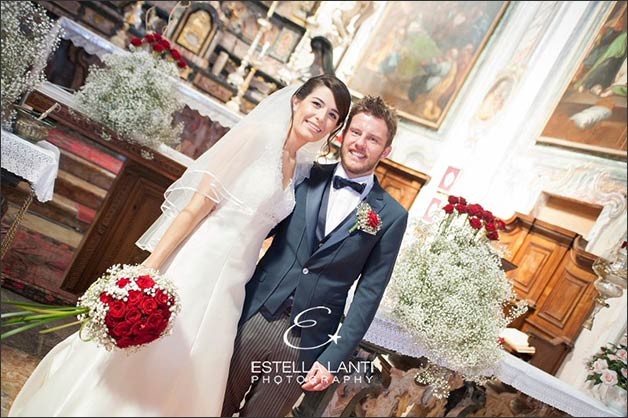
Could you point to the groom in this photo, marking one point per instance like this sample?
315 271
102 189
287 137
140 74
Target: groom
296 298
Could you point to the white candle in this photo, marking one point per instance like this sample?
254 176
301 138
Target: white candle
272 8
264 50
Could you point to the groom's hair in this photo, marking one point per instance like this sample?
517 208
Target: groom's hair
377 107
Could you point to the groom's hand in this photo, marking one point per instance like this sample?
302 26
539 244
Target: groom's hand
318 378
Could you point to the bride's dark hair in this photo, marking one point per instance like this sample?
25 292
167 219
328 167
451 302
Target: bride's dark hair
340 92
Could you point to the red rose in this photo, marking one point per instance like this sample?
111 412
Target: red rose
158 48
139 328
488 216
462 200
181 64
161 297
176 55
500 224
111 322
449 208
123 282
461 208
135 297
124 342
136 42
475 223
165 43
490 226
123 329
493 236
145 338
148 305
150 38
474 209
105 298
157 36
373 219
117 309
133 314
156 321
145 282
453 200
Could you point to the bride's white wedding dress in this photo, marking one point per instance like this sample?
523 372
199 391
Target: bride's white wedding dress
183 374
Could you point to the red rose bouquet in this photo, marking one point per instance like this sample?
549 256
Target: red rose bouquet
127 307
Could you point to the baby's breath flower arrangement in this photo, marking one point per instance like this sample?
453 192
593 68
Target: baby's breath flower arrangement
128 307
449 290
29 36
134 95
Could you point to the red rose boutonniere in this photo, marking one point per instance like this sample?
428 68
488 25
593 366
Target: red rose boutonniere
368 220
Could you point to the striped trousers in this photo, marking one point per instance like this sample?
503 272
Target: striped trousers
263 370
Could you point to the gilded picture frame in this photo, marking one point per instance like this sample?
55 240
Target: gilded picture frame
590 116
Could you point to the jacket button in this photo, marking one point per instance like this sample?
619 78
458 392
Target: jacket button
305 271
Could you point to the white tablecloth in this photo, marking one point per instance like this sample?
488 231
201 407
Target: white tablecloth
37 163
526 378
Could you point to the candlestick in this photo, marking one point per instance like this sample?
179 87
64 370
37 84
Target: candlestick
272 8
264 51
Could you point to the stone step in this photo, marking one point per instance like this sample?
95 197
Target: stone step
79 190
46 227
86 149
60 209
86 170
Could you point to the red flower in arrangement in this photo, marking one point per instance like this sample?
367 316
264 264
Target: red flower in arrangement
623 244
493 236
160 46
175 54
373 220
478 216
475 223
367 220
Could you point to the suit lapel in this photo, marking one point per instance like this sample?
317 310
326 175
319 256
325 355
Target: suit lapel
375 199
317 181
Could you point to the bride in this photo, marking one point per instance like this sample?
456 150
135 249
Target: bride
215 219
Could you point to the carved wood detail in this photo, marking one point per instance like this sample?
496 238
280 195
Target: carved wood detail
403 183
555 276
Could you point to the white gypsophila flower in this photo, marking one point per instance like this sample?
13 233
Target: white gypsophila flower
29 36
135 96
449 290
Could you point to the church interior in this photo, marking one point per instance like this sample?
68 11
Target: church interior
520 106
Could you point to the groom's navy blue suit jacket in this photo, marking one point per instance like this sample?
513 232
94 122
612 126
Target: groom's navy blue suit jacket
321 275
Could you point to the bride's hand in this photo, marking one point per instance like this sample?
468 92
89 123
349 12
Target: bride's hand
149 264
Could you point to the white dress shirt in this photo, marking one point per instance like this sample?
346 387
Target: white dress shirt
344 201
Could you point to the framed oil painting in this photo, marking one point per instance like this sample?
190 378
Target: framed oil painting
420 54
591 114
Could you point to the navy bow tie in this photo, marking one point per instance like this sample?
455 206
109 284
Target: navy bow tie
340 182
